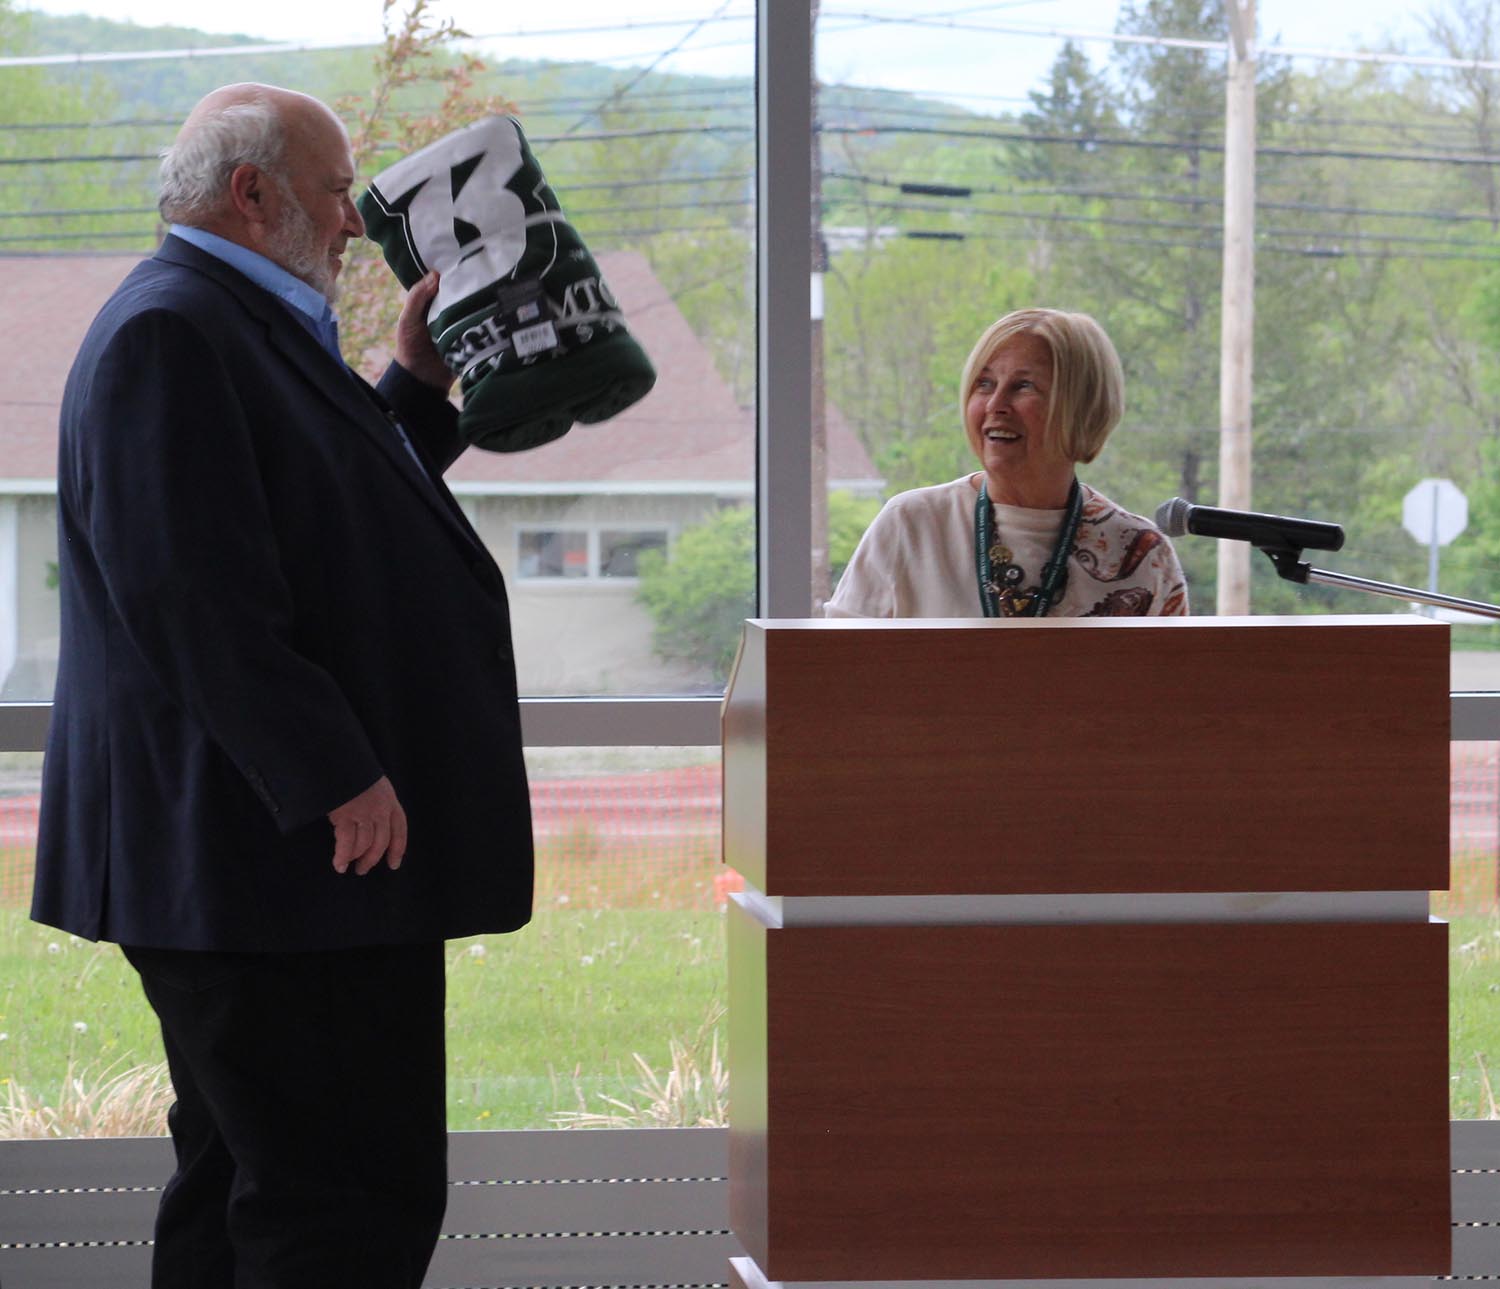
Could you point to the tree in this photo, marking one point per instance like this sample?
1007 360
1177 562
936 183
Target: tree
44 202
700 597
901 320
1078 106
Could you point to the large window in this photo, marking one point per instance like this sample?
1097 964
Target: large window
964 166
645 132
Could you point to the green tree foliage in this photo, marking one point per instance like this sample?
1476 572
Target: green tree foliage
1069 119
700 597
902 317
848 517
47 205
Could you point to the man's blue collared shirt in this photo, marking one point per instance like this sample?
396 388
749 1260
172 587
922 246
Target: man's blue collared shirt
308 305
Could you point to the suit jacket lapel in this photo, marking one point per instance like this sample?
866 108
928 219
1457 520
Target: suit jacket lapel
332 381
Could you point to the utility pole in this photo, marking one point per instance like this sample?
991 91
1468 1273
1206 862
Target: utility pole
1237 301
822 587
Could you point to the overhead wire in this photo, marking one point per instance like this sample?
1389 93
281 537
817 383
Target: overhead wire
1262 232
997 135
1134 195
618 94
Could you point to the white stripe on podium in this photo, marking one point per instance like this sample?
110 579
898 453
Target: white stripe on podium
1029 910
751 1276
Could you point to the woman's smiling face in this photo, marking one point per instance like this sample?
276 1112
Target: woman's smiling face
1005 415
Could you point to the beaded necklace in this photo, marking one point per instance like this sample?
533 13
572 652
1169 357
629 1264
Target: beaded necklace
996 572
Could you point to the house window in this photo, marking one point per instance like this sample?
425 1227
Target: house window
621 548
554 552
591 553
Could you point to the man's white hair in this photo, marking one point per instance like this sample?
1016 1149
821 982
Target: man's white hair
195 170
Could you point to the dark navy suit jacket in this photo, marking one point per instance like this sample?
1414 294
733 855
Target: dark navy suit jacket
266 605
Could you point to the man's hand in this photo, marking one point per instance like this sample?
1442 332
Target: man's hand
367 828
414 348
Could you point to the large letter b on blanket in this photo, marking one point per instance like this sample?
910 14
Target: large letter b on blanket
523 316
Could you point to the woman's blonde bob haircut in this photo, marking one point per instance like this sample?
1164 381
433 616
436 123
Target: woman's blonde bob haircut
1087 397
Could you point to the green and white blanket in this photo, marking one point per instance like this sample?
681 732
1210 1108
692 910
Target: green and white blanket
523 315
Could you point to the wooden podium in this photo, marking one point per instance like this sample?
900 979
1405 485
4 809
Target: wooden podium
1088 948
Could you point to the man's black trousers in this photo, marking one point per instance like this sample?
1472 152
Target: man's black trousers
310 1124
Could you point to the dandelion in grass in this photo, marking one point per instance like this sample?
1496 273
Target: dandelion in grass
80 1027
54 947
478 952
587 960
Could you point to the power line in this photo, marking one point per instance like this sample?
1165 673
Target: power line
950 22
122 123
159 55
1100 194
1202 145
78 213
608 29
1338 237
1322 253
80 237
628 235
81 158
598 136
981 136
618 94
1183 42
735 97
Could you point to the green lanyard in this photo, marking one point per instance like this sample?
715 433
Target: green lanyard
990 554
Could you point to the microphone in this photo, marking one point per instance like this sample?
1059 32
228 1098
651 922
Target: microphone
1274 532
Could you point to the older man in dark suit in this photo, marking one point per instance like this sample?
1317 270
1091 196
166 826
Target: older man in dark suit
285 758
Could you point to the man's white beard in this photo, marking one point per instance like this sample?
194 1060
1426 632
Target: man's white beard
296 245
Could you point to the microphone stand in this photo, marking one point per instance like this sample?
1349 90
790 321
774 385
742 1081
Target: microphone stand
1291 566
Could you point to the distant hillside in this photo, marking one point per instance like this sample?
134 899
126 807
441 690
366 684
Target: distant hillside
167 88
553 96
78 33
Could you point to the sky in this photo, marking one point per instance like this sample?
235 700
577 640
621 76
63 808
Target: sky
987 53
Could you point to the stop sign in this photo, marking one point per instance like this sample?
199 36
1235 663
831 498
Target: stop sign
1435 511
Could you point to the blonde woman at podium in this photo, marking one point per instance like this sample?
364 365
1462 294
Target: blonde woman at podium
1021 536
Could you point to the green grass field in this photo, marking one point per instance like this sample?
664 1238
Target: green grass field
536 1020
1474 1017
545 1021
